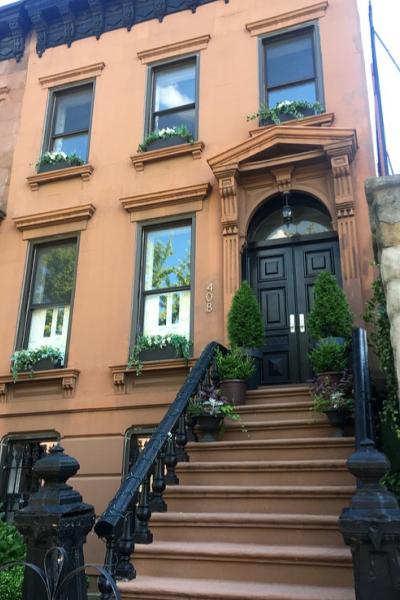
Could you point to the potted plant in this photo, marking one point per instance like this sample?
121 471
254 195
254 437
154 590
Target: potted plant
285 111
37 359
156 347
51 161
328 359
246 329
234 368
168 136
208 409
334 398
330 316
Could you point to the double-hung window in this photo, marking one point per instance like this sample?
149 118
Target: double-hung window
70 118
48 298
166 280
174 96
291 67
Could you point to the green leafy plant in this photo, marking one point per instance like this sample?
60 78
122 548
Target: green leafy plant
12 549
328 356
328 394
180 343
330 315
25 360
54 158
245 322
167 132
209 402
234 364
294 109
389 418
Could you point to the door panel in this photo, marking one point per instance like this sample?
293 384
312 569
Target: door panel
283 279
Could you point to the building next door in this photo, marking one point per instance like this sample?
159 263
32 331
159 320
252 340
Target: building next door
282 270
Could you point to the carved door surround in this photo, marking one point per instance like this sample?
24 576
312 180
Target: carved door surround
330 150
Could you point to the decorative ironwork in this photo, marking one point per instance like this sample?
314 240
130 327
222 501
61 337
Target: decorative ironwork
125 521
371 525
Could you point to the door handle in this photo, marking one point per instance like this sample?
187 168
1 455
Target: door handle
302 323
292 322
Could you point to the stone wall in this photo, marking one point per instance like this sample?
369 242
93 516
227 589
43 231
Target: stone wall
12 86
383 195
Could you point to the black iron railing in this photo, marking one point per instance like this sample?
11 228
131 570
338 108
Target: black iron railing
364 425
126 519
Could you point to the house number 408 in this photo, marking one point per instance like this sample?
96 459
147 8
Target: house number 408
210 297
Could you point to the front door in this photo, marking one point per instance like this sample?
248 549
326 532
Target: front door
283 275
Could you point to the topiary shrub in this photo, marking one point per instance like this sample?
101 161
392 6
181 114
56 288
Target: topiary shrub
330 315
328 356
245 322
12 549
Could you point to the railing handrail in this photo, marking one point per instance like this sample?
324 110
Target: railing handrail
114 515
364 429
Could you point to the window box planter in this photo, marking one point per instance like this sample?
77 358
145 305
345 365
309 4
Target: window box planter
174 140
152 354
63 164
46 364
307 112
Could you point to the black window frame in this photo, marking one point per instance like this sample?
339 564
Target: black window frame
49 135
24 321
150 95
139 282
292 33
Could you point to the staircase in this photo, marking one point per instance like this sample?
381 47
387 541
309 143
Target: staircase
255 515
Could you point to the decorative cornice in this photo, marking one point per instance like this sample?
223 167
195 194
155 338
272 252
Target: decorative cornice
72 214
175 49
4 91
83 171
139 160
322 120
67 378
189 198
58 22
86 72
287 19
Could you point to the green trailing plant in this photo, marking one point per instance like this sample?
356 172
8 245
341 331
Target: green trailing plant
328 394
234 364
167 132
180 343
330 315
12 549
245 322
389 418
54 158
209 402
328 356
294 109
25 360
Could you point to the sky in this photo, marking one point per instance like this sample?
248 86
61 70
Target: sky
386 20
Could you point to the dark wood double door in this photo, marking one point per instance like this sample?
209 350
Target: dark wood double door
283 276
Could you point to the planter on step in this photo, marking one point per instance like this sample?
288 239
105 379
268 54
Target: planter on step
254 381
209 427
234 390
342 419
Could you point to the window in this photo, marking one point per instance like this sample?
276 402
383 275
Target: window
174 96
166 280
18 481
70 117
291 67
49 294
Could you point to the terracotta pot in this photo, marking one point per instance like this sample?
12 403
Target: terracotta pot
234 390
209 427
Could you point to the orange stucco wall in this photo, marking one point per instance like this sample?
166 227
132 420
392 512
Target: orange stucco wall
92 422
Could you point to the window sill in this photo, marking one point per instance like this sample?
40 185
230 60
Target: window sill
82 171
140 159
322 120
67 378
120 372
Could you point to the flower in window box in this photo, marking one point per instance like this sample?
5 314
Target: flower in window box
285 111
50 161
173 346
36 359
168 136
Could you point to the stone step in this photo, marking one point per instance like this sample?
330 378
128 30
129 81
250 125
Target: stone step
325 500
173 588
271 430
278 394
276 411
304 565
247 528
276 449
296 472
